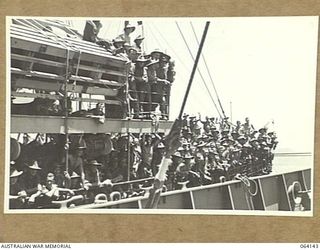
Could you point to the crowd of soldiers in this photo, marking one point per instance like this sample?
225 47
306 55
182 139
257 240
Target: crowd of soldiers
150 75
123 165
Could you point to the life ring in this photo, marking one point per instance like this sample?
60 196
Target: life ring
293 192
222 179
115 196
100 198
15 149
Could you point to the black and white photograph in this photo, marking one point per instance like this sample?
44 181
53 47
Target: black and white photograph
161 115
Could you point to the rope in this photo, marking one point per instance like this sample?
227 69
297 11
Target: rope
66 111
154 38
174 51
247 187
205 63
107 29
198 70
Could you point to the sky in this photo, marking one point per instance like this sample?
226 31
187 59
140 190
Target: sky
262 67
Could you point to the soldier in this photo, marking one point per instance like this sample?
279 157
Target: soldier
158 153
163 86
238 126
118 43
185 121
199 168
247 128
214 134
144 167
32 178
188 173
132 53
49 192
141 80
60 175
112 170
152 81
92 174
75 159
138 42
77 186
133 95
171 181
91 30
192 122
17 191
128 29
156 55
206 125
171 72
196 130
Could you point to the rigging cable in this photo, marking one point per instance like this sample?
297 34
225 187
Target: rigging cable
107 30
205 63
154 38
198 69
169 46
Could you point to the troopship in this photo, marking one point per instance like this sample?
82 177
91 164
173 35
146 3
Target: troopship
47 68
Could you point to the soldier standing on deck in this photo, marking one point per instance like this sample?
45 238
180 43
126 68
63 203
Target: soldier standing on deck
91 31
141 80
171 180
152 80
163 85
137 43
128 29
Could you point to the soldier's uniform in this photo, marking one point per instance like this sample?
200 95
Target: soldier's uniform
92 174
171 181
152 81
31 178
91 30
137 43
141 82
17 190
126 35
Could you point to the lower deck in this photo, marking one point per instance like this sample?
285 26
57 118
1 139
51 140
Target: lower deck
277 192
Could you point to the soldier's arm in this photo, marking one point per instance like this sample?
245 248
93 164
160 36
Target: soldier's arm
81 171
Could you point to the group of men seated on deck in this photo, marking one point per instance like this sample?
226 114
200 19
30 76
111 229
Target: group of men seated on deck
212 151
150 75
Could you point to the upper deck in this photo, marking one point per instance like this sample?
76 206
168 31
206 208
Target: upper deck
49 66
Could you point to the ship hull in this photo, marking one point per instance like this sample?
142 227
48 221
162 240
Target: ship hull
276 192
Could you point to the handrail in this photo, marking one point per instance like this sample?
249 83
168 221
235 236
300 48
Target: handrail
169 193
